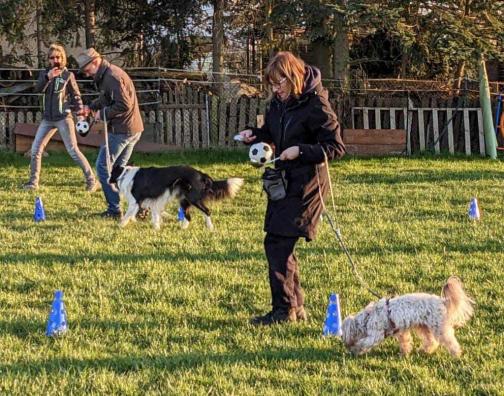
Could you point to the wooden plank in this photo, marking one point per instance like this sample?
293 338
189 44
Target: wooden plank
160 127
152 117
29 117
377 116
467 132
169 127
178 128
214 119
481 133
451 145
186 106
222 123
205 133
375 136
435 128
407 114
392 118
421 130
186 114
3 129
195 129
12 122
38 117
353 117
366 118
253 112
233 120
243 110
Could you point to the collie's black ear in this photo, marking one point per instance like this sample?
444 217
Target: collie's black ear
182 184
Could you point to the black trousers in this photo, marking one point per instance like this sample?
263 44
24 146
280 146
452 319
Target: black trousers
284 281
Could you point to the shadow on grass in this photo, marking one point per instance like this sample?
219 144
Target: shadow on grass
419 176
174 363
238 155
76 258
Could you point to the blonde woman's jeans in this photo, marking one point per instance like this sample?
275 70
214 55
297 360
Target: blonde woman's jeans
45 131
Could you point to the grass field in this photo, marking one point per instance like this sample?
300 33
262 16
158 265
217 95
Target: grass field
167 312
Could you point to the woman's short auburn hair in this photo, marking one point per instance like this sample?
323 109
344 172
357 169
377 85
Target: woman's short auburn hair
61 51
286 65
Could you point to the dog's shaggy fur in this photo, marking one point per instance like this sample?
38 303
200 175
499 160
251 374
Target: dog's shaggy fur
152 188
433 318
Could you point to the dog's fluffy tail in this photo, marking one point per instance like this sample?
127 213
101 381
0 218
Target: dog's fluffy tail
458 304
226 188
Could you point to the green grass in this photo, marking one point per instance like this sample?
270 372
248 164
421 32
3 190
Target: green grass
167 312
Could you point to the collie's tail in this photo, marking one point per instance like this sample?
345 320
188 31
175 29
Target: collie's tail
225 188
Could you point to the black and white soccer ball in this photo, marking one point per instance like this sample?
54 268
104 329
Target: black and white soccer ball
260 153
82 128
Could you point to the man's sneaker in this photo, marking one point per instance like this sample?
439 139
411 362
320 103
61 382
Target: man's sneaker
111 215
30 186
92 185
278 315
301 313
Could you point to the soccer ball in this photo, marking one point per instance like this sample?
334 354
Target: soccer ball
260 153
82 128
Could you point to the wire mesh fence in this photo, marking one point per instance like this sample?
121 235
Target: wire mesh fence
198 110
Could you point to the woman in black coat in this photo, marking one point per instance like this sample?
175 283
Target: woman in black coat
304 130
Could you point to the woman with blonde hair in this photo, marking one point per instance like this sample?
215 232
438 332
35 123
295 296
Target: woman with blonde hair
61 97
304 130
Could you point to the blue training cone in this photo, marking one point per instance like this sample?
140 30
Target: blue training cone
332 324
474 213
57 322
39 213
181 214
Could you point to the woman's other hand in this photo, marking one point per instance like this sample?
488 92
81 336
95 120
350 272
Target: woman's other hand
247 136
54 72
290 154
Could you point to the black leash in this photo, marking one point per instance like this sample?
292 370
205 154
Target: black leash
337 231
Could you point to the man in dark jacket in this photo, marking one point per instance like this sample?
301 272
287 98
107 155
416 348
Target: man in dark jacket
118 106
305 132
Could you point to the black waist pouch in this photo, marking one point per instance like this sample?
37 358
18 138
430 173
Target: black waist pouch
274 183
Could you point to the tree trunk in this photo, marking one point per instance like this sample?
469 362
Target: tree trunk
322 57
90 23
38 16
254 68
268 29
459 76
341 51
218 41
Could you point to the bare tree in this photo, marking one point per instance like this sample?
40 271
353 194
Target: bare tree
90 22
217 39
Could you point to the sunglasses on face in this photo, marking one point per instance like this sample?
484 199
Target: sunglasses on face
276 85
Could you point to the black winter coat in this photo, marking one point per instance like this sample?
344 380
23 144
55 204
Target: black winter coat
310 123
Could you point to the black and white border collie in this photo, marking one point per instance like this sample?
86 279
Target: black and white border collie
152 188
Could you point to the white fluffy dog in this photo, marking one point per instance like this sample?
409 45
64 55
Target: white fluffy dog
432 317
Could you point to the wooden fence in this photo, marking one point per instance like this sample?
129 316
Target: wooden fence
434 125
192 118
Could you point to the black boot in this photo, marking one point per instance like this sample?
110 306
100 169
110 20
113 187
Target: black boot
277 315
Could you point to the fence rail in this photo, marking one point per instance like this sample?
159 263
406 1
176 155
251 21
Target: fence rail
192 116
